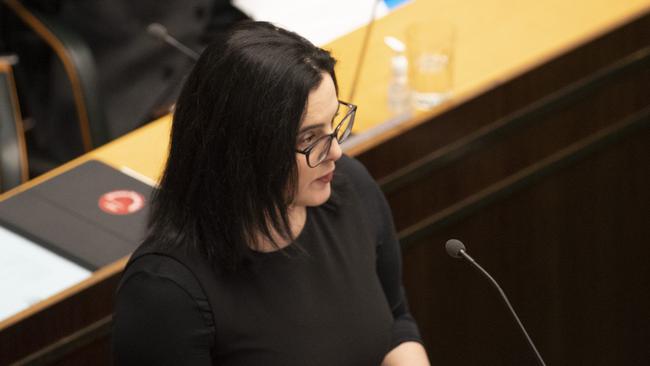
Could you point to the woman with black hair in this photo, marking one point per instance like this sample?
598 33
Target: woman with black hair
266 245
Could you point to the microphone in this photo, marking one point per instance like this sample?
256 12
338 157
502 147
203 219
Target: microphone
456 249
159 32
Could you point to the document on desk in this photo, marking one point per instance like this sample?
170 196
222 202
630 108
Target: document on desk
30 273
320 21
56 233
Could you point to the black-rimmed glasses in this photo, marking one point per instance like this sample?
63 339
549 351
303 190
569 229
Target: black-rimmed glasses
317 151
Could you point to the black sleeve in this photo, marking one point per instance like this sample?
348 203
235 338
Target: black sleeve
389 258
389 269
158 322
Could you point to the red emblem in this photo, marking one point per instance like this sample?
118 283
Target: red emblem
121 202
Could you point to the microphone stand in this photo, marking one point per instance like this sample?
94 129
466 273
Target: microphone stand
494 283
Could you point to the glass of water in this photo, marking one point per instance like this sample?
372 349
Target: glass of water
430 47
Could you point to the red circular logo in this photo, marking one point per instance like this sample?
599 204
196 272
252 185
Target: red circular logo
121 202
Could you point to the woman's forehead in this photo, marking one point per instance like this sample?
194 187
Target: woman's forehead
322 102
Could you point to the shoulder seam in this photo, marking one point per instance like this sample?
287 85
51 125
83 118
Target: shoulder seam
177 285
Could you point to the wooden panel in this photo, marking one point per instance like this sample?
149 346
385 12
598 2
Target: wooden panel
555 206
571 253
46 334
519 146
506 98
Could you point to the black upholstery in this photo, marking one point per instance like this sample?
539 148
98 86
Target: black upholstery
13 158
78 63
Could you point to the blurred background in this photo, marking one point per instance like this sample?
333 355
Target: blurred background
521 128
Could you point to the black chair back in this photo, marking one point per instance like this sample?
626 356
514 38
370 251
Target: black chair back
13 154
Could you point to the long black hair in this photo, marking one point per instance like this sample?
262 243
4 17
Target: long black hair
231 171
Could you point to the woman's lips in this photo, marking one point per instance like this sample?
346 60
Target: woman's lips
326 178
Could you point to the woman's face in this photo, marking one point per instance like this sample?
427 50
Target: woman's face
314 187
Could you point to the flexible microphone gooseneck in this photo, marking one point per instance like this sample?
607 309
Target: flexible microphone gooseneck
456 249
363 51
159 32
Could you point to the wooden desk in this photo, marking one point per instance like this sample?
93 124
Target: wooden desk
496 41
509 55
72 326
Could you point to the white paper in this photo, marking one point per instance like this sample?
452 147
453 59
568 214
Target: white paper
317 20
30 273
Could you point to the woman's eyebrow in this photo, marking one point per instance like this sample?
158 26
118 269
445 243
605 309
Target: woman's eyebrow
321 125
311 127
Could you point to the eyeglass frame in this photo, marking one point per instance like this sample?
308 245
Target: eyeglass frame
350 114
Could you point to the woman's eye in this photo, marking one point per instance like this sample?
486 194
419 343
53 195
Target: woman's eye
307 139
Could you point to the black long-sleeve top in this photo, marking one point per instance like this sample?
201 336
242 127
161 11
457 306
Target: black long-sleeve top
335 298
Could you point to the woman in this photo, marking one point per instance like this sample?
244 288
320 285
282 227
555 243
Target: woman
266 245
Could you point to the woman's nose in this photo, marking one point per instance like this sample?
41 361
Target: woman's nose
335 150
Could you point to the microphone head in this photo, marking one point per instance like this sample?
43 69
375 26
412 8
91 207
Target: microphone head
454 246
157 30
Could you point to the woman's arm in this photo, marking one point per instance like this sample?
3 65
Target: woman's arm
406 349
157 322
407 354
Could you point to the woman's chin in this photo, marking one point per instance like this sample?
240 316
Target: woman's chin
317 195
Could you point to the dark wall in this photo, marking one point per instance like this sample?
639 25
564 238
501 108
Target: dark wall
546 180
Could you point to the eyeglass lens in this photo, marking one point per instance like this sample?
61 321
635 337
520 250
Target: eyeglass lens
343 127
